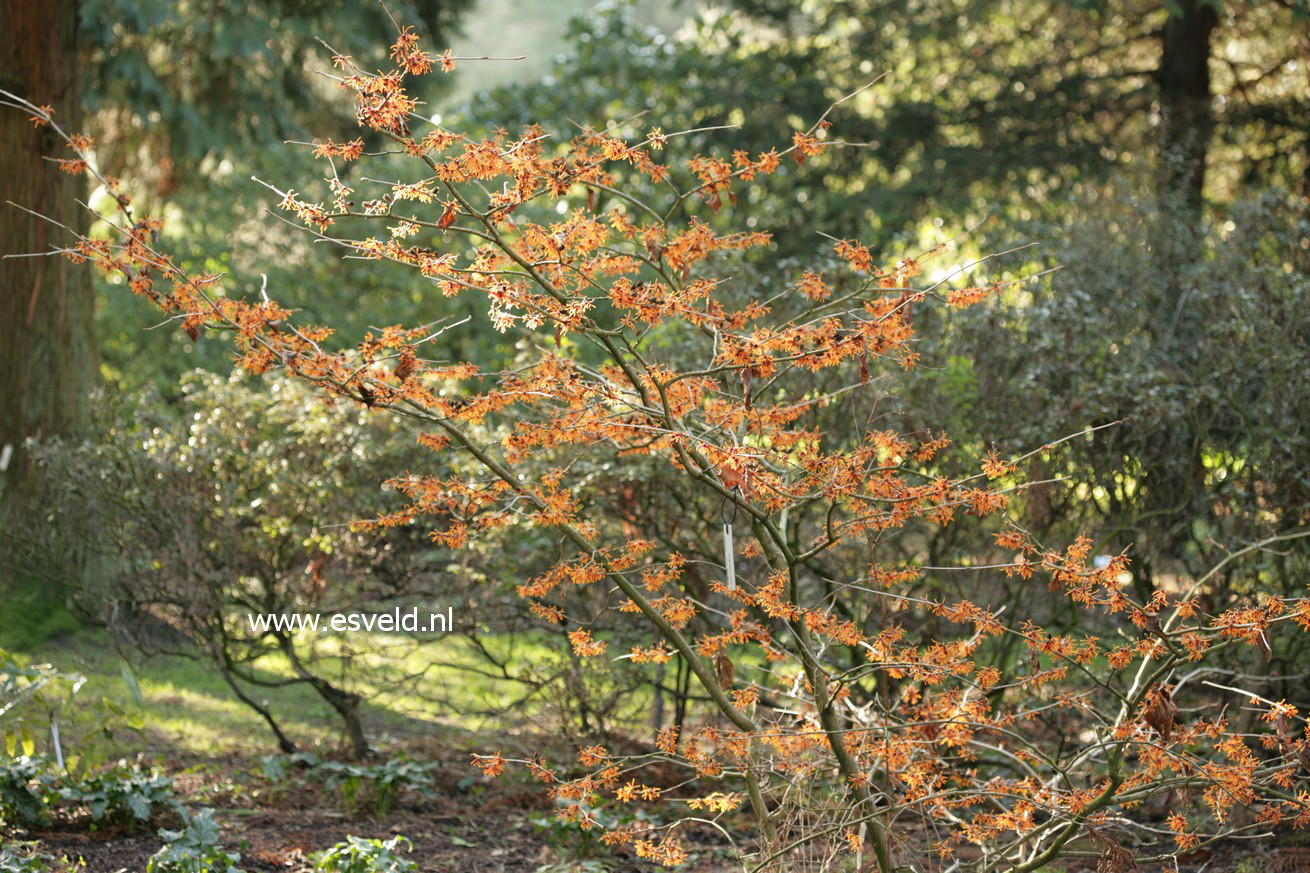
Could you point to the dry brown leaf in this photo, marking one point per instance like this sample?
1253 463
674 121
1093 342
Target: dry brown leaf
1160 711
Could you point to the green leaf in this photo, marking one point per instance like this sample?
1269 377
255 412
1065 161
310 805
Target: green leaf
139 805
129 678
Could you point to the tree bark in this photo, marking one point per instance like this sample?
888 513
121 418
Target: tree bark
1186 101
284 743
1171 487
47 343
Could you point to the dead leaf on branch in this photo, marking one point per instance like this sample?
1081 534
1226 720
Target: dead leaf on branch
724 670
1161 711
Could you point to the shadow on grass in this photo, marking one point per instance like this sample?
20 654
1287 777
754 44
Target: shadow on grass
187 710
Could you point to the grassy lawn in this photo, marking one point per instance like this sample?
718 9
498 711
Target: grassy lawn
182 706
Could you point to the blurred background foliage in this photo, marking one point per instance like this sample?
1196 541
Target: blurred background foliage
192 100
1156 152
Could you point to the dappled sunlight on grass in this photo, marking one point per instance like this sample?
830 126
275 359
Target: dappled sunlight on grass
410 688
184 707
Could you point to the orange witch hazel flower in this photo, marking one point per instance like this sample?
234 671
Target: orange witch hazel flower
1186 841
41 115
490 765
408 55
584 645
665 419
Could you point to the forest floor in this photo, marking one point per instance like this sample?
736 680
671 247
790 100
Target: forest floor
190 728
177 716
453 829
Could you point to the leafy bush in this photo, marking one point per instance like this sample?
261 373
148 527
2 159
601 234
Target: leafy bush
30 792
124 797
1190 336
374 785
25 791
24 687
37 702
278 768
208 528
194 849
359 855
22 857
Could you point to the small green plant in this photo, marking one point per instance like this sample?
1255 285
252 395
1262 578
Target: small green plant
25 792
124 797
36 699
25 704
376 785
278 768
590 866
358 855
581 847
275 768
22 857
194 849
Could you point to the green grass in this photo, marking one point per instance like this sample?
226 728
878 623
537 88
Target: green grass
186 708
33 612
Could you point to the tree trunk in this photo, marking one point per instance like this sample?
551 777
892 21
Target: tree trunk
1186 102
47 347
1170 489
284 743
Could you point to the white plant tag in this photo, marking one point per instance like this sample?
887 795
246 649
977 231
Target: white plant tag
54 741
729 557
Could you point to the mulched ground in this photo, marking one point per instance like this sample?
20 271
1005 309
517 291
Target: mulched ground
463 826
